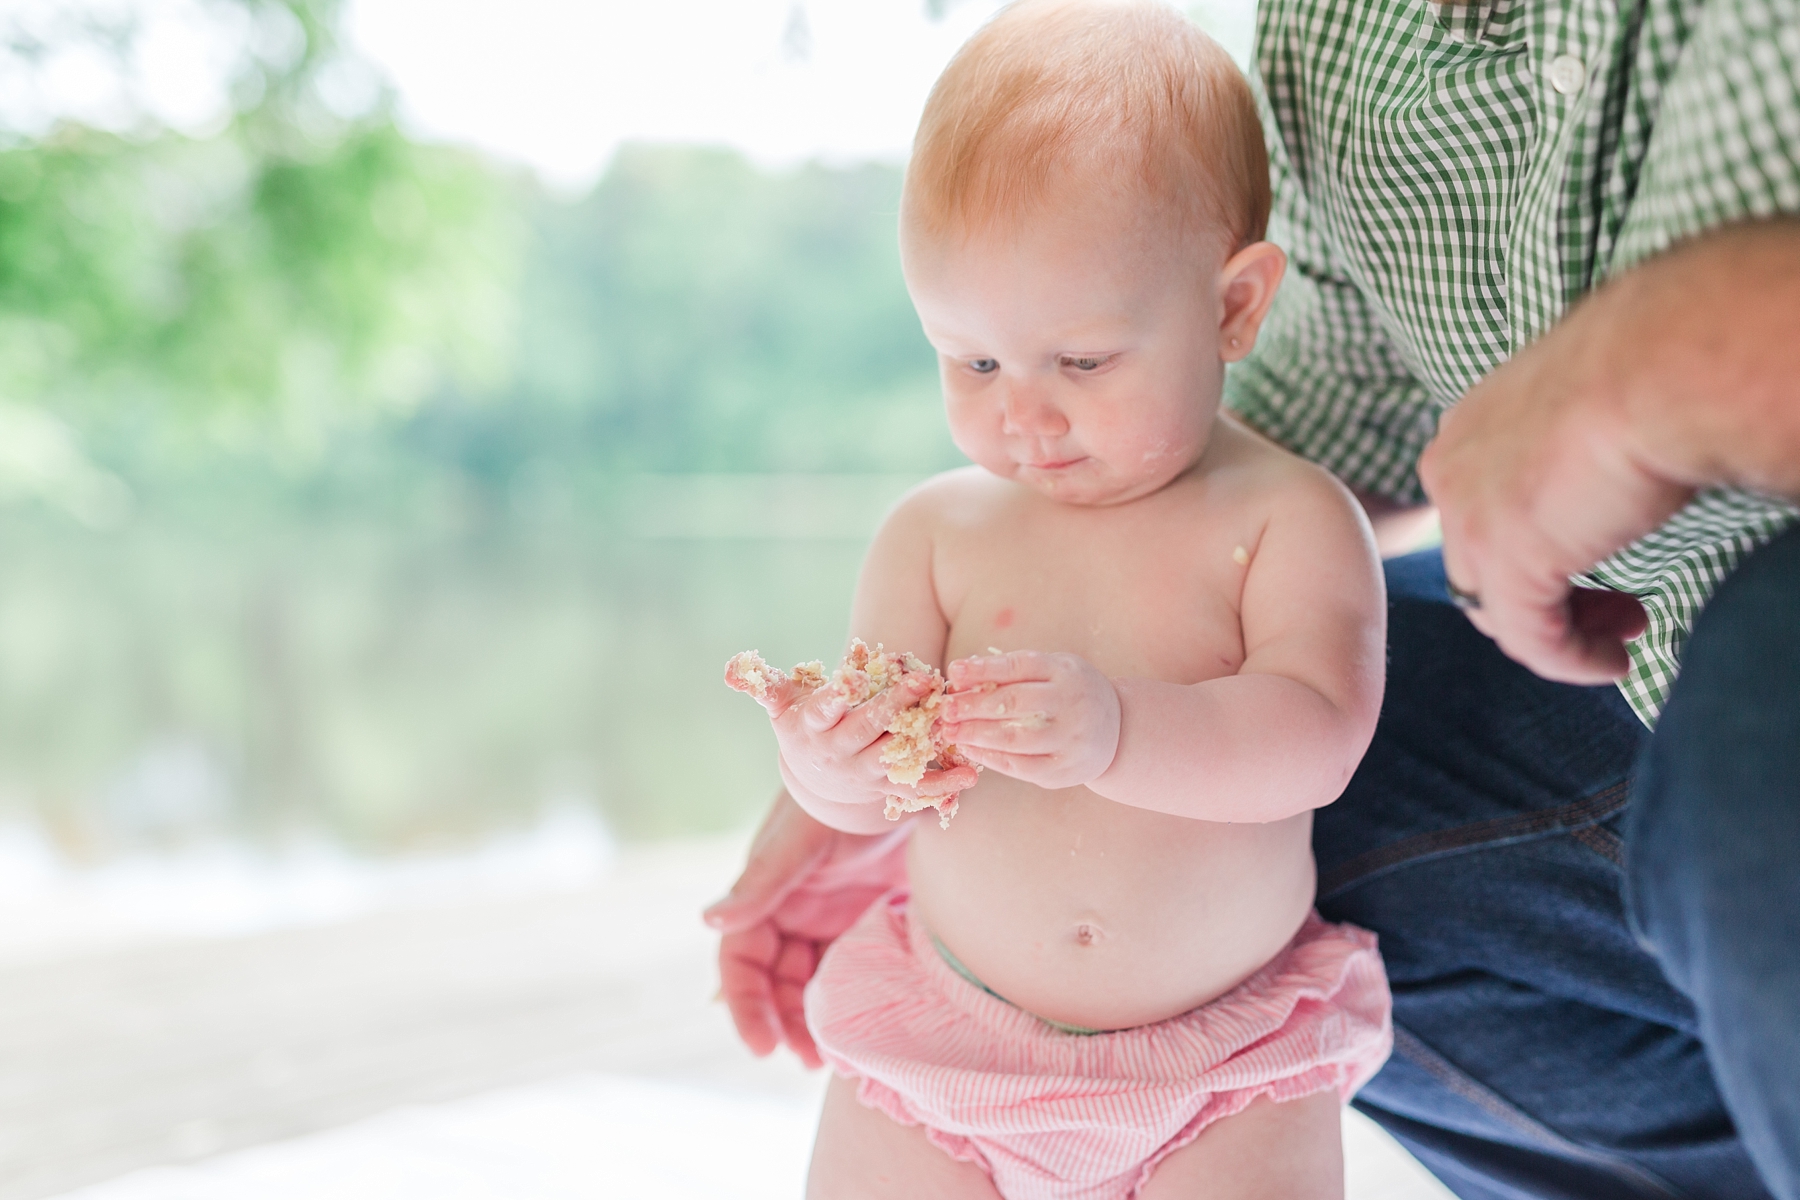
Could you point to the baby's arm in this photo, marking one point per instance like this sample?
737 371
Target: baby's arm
1278 738
830 760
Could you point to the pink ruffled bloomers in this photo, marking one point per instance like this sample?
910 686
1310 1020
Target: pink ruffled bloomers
1052 1115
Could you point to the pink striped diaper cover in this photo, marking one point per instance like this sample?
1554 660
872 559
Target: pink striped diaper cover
1053 1115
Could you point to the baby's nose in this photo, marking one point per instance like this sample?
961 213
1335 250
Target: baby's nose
1031 412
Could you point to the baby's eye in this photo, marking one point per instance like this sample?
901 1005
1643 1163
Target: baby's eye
1091 362
984 366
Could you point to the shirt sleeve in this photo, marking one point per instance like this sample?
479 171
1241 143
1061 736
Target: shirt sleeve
1324 379
1725 143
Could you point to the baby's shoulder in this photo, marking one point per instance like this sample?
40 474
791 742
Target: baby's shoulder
1244 470
959 499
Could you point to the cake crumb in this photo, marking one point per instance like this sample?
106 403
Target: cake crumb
916 743
1241 557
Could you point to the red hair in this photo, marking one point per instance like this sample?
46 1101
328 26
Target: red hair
1116 93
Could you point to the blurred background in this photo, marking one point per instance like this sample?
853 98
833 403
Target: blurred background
406 407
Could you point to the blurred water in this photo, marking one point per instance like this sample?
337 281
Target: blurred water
223 887
391 683
573 1138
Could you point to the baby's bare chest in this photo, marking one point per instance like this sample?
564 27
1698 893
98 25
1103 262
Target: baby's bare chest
1151 595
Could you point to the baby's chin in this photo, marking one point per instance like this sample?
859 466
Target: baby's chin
1090 483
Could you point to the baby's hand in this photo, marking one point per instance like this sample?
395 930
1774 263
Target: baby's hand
832 751
1048 719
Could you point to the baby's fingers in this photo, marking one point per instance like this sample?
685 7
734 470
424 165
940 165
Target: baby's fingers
1028 767
1026 733
785 694
1014 667
1028 702
822 710
945 783
862 725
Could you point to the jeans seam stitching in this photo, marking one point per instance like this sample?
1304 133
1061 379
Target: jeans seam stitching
1604 842
1589 810
1409 1046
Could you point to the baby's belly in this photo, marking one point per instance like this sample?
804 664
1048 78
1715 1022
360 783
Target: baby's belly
1100 915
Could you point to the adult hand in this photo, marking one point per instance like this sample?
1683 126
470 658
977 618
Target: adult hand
803 885
1678 375
1048 719
1535 481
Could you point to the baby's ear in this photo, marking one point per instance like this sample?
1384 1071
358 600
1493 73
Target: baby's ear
1247 284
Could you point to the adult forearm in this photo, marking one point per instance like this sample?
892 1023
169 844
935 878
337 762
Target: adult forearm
1248 748
1701 353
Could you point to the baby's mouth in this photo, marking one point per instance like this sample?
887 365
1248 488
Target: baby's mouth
1060 464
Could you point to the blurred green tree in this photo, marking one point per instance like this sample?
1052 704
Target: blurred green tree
421 619
306 261
701 314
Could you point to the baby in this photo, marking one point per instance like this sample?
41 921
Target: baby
1105 978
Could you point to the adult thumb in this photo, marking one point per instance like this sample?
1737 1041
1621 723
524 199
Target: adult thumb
788 847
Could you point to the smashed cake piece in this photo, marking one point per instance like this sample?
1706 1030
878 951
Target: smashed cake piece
915 744
748 673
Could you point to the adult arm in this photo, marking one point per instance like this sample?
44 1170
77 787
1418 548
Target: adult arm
1680 374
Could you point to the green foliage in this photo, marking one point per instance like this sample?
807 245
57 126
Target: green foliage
198 276
299 264
354 427
706 315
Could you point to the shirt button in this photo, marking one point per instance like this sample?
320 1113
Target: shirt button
1567 74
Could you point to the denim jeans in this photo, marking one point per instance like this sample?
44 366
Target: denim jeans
1592 932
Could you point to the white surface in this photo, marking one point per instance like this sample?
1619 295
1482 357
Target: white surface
572 1139
49 907
529 1046
589 1136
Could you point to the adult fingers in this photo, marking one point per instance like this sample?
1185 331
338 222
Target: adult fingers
1521 605
1602 625
747 982
799 959
1462 550
1531 620
1607 616
787 848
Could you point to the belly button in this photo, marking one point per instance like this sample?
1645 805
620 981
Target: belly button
1087 934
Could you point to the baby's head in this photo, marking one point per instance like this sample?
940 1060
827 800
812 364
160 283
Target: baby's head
1081 230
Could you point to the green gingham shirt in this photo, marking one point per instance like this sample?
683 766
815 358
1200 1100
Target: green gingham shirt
1450 178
